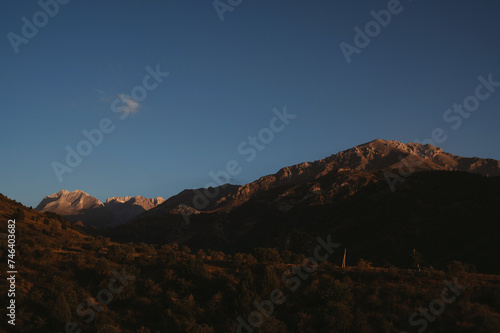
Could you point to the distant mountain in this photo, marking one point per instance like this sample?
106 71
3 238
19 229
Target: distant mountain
346 195
78 205
68 203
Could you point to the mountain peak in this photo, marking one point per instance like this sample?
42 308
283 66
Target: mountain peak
138 200
67 203
66 193
118 199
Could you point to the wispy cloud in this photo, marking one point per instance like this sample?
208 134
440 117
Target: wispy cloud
132 105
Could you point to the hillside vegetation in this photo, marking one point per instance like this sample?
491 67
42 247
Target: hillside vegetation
67 277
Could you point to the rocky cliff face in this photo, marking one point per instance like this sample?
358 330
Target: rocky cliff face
78 205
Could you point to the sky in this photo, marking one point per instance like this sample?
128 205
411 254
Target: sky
228 80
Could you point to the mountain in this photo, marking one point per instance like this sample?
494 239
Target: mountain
126 208
78 205
436 208
68 203
194 201
137 200
374 155
369 157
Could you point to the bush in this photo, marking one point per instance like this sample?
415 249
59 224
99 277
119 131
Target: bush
65 224
61 311
266 255
194 268
108 329
338 303
102 267
19 215
118 253
364 264
241 260
456 267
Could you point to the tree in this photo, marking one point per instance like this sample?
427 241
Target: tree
416 260
61 311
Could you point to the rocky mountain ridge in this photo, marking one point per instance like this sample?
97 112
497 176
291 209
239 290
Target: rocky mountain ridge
78 205
374 155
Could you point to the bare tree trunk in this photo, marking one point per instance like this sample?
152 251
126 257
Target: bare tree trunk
343 260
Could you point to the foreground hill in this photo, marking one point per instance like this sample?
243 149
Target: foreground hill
69 279
79 206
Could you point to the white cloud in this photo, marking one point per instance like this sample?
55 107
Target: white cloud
132 105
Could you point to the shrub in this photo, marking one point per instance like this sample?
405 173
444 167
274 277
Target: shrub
241 260
364 264
456 267
19 215
61 311
65 224
108 329
266 254
102 267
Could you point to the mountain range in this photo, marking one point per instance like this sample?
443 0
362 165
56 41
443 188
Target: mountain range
446 208
442 205
80 206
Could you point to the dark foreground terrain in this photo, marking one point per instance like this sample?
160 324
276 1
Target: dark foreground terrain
69 281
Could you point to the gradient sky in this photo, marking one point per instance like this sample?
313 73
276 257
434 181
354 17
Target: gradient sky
225 79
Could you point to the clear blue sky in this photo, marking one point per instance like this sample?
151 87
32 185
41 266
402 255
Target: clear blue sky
225 79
